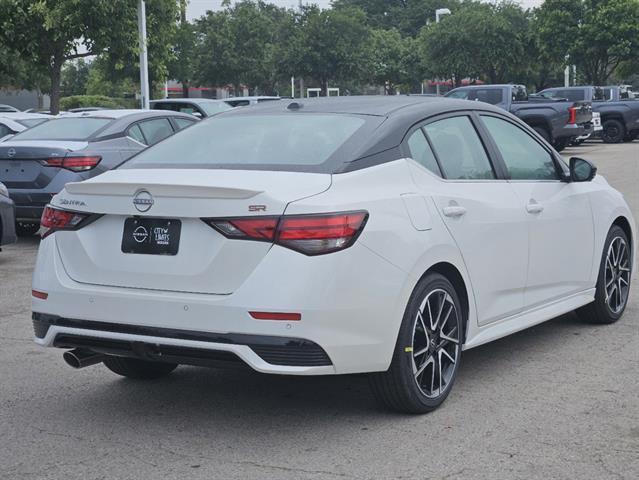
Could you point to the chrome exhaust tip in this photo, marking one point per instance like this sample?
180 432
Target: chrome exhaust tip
80 358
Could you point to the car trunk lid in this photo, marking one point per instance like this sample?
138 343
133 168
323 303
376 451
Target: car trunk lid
205 261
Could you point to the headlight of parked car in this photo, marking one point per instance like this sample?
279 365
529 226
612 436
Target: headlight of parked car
3 190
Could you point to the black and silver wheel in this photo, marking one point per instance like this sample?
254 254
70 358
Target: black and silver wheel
428 350
613 283
138 369
613 131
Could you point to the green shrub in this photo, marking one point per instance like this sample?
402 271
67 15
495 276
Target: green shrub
80 101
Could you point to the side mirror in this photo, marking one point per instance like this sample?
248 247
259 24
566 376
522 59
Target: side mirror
581 170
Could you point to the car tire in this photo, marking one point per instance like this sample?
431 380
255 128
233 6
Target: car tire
613 131
138 369
615 266
432 324
27 229
560 144
543 132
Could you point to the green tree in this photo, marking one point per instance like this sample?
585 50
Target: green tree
50 32
181 66
598 35
237 45
389 53
74 77
477 41
333 45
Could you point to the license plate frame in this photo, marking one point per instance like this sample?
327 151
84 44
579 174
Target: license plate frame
151 236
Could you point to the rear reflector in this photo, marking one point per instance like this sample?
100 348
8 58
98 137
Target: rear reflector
40 295
54 219
73 163
288 316
309 234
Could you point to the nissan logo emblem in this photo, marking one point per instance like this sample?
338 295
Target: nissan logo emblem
143 201
11 152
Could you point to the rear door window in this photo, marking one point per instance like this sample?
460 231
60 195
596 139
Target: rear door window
136 134
156 130
183 123
421 152
459 149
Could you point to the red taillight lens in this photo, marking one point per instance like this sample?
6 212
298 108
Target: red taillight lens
73 163
54 219
256 228
308 234
317 234
573 115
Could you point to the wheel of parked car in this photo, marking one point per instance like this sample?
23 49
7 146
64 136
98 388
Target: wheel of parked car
613 131
138 369
560 144
613 283
427 352
27 229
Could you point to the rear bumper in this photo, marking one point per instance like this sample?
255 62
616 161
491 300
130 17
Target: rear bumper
30 204
7 222
570 131
351 305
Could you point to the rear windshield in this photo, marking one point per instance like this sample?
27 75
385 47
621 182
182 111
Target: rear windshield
297 142
211 108
32 122
64 129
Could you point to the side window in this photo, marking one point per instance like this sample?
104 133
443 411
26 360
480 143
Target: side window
461 94
524 157
420 152
489 95
459 149
183 123
156 130
136 134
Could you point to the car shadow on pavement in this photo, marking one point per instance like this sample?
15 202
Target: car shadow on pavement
231 399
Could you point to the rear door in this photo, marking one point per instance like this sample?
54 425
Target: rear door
479 209
559 217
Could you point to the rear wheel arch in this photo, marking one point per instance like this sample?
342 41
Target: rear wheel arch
624 224
455 277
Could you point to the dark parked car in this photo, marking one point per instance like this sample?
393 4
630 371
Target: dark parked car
618 108
558 122
7 217
199 107
37 163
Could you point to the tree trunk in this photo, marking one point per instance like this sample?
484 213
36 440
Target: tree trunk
324 86
185 90
56 69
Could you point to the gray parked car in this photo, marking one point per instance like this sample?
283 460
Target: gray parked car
37 163
199 107
16 122
7 217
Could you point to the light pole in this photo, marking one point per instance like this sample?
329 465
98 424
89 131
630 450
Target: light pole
440 12
144 63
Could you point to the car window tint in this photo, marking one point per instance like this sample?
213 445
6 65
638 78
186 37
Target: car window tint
420 151
76 128
459 149
156 129
524 157
489 95
183 123
4 130
136 134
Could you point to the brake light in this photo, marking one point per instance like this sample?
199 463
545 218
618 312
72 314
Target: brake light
573 115
74 163
309 234
54 219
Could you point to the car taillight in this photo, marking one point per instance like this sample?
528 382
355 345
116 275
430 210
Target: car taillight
309 234
573 115
73 163
54 219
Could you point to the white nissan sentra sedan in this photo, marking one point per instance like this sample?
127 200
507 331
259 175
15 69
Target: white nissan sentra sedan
330 236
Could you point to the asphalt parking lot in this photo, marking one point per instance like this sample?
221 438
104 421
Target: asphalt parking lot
558 401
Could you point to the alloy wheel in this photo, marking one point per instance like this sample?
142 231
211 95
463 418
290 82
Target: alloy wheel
617 275
436 344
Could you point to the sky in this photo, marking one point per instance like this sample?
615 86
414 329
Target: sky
197 8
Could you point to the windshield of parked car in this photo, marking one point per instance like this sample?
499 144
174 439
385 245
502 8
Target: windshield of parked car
77 128
211 108
279 142
32 122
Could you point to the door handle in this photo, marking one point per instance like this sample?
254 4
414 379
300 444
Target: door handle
454 211
534 207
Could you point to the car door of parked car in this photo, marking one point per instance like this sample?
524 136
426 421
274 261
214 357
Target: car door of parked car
479 208
559 216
